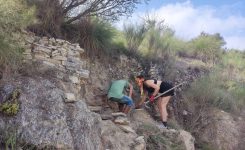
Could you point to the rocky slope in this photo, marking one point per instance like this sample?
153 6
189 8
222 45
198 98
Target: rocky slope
63 103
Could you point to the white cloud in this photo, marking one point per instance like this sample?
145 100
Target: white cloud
235 42
189 21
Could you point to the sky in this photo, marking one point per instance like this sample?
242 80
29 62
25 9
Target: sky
190 17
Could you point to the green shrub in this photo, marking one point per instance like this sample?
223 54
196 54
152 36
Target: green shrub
11 106
15 16
208 47
147 129
11 141
208 92
93 34
134 35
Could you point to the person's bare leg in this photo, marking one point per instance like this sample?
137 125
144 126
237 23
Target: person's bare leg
121 107
126 109
162 105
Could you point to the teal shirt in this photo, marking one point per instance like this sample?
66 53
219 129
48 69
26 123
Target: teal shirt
117 89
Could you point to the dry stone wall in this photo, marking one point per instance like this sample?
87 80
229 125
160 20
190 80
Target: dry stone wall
61 55
58 53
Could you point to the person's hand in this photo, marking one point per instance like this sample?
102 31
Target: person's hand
152 98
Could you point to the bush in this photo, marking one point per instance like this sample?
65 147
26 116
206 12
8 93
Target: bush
15 16
94 35
50 18
11 106
213 91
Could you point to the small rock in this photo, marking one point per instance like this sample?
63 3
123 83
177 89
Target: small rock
74 79
140 139
70 97
126 129
106 117
95 108
118 114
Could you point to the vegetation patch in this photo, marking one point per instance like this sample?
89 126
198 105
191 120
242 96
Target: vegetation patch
166 142
11 106
147 129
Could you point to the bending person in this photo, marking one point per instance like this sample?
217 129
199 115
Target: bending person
152 87
116 93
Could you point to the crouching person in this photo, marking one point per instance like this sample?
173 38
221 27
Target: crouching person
117 92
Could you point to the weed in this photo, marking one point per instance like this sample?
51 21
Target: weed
11 106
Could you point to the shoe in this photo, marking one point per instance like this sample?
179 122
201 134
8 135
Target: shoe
161 126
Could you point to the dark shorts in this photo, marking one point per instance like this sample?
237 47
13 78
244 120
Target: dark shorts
164 87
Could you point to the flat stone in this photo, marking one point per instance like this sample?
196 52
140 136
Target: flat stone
74 79
28 50
56 62
70 97
121 120
95 108
126 129
118 114
106 117
83 73
42 49
39 57
48 63
140 139
60 58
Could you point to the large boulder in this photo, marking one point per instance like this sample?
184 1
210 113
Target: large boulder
224 132
45 120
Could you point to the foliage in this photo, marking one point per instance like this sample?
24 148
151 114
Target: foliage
151 38
50 18
93 34
11 106
233 74
15 16
147 129
106 9
165 141
9 138
208 47
134 35
55 14
156 42
11 142
215 90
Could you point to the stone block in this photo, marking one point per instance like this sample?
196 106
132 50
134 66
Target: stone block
74 79
56 62
118 114
70 97
127 129
83 73
42 49
48 63
62 58
121 120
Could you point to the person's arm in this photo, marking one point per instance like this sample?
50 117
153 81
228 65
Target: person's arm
130 90
142 98
149 83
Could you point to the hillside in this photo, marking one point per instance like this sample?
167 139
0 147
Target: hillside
62 104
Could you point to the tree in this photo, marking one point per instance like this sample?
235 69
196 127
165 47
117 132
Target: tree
53 15
74 10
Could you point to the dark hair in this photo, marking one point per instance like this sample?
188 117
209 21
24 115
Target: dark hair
140 76
1 75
